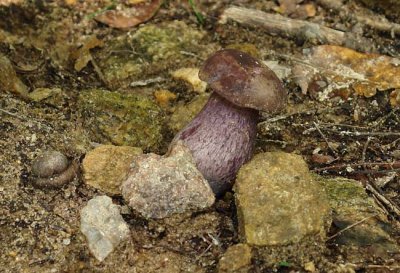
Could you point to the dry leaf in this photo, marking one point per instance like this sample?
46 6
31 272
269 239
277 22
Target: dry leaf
82 55
395 98
345 68
126 17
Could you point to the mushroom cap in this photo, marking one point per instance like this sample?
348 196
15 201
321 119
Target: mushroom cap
243 80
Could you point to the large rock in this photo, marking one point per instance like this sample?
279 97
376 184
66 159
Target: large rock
278 202
370 234
103 226
122 119
107 166
159 186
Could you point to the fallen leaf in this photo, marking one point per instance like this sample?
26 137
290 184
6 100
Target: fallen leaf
126 17
344 68
395 98
82 55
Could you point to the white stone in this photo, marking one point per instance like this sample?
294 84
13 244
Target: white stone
103 226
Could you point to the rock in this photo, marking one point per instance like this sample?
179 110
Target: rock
350 203
191 76
9 81
52 96
185 113
236 259
107 166
278 202
123 119
103 226
159 186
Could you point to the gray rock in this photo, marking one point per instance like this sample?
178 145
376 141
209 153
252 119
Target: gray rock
103 226
159 186
278 202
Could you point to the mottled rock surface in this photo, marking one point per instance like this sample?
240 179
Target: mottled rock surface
107 166
159 186
103 226
278 202
236 259
122 119
371 236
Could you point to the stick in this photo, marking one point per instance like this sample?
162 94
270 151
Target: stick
292 28
365 16
388 203
349 227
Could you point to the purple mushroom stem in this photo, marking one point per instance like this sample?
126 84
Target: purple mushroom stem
222 136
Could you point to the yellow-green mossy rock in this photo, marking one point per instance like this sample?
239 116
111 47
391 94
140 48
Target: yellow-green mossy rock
151 51
107 166
370 235
278 202
122 119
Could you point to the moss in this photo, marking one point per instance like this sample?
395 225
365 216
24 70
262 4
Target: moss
151 50
122 119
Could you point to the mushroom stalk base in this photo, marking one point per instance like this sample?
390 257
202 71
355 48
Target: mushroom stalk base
221 138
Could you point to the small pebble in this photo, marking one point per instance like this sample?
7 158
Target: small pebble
103 226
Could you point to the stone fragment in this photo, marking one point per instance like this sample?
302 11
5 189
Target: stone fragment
191 76
9 81
107 166
103 226
278 202
159 186
236 259
122 119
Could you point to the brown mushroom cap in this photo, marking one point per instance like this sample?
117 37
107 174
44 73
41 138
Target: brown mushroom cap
243 80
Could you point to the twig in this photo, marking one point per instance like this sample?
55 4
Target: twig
12 114
326 140
392 166
388 203
360 133
349 227
364 151
369 19
292 28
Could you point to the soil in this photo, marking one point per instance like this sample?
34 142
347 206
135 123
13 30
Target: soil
39 228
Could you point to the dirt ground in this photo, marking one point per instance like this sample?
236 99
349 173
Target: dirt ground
43 40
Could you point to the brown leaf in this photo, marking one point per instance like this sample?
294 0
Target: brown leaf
346 68
82 55
124 17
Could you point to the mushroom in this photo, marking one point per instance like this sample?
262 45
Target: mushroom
52 170
222 136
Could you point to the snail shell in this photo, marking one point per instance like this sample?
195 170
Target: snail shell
52 169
